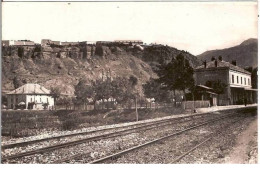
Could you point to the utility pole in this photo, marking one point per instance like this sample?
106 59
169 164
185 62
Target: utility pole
102 75
136 112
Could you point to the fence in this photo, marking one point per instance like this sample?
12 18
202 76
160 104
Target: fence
195 104
74 107
100 106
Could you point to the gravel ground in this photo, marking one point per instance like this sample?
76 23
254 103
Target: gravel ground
15 150
8 140
104 147
167 150
245 150
216 150
48 134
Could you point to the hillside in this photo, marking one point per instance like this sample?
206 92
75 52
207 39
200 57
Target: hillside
245 54
159 54
64 66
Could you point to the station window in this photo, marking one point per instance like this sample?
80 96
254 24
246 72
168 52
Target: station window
248 81
245 80
241 80
31 99
237 80
233 79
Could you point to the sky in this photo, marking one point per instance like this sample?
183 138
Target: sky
192 26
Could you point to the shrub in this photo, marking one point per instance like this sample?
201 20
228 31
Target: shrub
72 121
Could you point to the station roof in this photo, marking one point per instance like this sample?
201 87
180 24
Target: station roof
222 64
204 87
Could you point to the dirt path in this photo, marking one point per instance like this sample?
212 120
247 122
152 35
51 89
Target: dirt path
245 151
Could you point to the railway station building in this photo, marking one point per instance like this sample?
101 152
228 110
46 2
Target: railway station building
238 88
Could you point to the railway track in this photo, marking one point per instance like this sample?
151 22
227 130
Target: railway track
203 142
25 143
118 154
144 126
21 144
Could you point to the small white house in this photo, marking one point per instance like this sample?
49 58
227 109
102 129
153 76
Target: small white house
30 96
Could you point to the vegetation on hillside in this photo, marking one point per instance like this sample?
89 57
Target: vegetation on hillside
64 66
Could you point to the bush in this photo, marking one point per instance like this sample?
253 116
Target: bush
72 121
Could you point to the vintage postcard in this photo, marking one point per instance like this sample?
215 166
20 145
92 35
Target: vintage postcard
129 82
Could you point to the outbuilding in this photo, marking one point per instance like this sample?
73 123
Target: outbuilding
30 96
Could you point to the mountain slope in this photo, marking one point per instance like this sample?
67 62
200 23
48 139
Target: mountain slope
159 54
245 54
63 67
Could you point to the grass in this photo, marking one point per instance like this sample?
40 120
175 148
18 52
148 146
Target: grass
22 123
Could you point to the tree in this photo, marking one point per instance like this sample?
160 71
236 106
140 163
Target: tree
151 88
119 90
99 51
154 89
92 50
17 82
177 75
254 77
4 100
67 101
102 90
217 86
123 89
21 52
55 92
38 48
133 80
84 92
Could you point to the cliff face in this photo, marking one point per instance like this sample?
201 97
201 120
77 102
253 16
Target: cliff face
64 66
157 54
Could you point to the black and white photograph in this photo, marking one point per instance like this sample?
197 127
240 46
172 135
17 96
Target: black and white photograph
109 82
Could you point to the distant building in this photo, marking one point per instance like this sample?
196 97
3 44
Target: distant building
5 42
47 42
69 43
32 96
17 43
104 42
55 42
23 42
238 81
134 42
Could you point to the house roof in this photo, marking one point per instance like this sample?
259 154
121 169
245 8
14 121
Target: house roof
223 64
204 87
30 89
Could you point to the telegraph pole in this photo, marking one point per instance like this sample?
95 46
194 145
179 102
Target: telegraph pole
136 112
